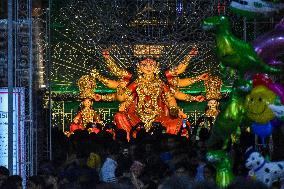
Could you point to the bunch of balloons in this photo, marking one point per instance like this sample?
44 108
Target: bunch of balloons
264 94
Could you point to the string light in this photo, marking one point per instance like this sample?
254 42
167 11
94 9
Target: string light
82 29
79 35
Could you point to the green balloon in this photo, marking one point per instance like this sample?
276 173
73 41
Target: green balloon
229 120
234 111
233 52
223 164
277 101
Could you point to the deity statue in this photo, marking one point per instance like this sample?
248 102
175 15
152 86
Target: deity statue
213 94
86 118
148 98
204 124
212 109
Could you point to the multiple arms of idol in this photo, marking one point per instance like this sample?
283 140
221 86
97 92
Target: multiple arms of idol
176 82
124 93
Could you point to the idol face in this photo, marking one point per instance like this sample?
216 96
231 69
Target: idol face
87 103
212 104
148 66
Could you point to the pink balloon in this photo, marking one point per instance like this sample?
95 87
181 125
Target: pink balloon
277 89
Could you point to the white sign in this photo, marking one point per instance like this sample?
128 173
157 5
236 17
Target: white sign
18 130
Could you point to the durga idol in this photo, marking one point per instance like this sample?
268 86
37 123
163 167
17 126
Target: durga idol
148 98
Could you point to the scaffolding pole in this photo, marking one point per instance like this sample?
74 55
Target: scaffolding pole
10 85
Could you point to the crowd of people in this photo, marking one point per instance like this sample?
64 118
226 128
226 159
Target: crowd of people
150 161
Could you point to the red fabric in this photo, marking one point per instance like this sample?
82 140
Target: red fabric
94 130
128 119
75 126
132 87
121 121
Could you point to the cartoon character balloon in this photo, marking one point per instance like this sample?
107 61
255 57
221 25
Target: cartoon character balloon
233 52
277 105
223 164
266 172
228 121
262 130
278 111
257 104
256 9
278 89
263 104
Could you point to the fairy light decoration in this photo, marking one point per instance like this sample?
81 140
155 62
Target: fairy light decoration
81 29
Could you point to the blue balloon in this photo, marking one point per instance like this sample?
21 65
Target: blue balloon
262 130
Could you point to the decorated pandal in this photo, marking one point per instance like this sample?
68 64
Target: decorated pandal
145 99
148 97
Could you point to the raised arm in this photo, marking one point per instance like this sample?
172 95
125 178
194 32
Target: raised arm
182 65
122 93
187 97
174 110
77 118
177 82
107 82
125 93
116 70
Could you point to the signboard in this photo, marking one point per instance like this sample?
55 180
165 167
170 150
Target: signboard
18 130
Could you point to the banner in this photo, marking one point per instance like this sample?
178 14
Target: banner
18 130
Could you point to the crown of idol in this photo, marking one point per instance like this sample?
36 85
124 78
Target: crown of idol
86 85
149 51
213 88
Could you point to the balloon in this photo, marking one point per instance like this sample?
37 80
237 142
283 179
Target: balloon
256 9
257 104
261 79
234 109
277 101
263 171
223 165
262 130
233 52
244 85
275 122
278 89
270 46
228 121
278 111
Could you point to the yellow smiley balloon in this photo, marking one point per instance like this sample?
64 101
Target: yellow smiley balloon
257 104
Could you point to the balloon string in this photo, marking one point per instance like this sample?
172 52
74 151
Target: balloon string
263 142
